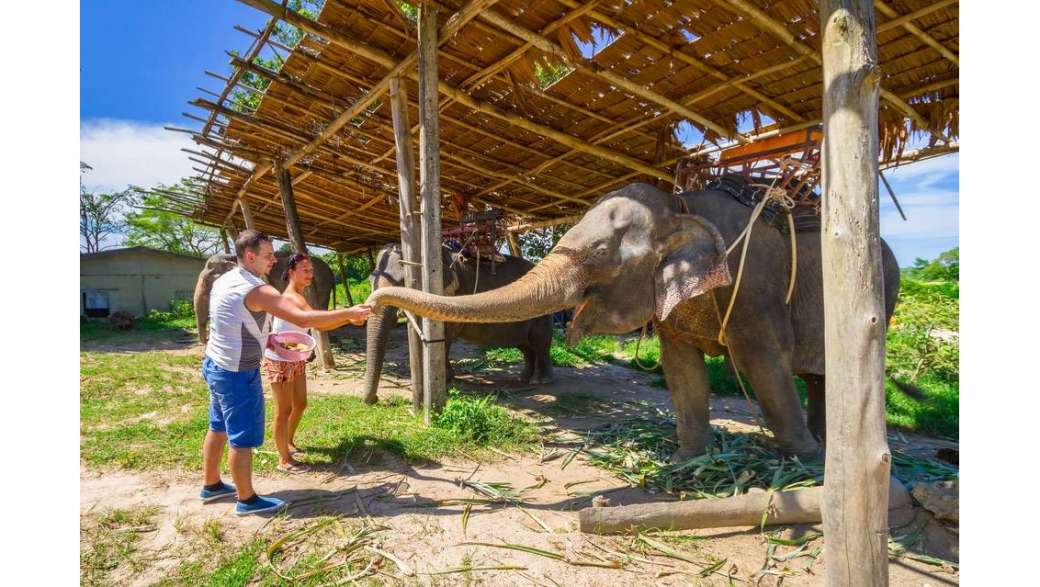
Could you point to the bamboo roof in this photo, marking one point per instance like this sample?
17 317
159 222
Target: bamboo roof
543 153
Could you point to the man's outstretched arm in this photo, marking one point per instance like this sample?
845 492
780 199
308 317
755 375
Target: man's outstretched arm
267 299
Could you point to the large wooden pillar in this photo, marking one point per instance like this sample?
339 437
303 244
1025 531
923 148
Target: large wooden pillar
434 380
292 227
855 507
409 225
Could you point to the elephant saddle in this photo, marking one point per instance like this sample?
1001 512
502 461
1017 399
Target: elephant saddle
806 215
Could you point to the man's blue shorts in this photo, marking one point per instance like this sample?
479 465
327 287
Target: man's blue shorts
236 404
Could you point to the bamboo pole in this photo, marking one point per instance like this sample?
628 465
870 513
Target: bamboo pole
915 31
434 367
856 489
247 214
410 231
292 227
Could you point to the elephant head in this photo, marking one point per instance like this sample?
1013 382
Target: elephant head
634 255
216 266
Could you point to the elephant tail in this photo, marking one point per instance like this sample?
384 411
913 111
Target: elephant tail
909 389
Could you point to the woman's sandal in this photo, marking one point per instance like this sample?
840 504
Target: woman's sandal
294 468
296 452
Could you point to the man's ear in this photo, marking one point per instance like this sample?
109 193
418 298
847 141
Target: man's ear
694 262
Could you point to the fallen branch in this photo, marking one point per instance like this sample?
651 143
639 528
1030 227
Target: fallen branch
780 507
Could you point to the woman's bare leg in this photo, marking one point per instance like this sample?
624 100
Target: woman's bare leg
283 392
299 404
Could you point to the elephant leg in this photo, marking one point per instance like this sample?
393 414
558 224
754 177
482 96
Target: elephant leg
543 369
449 373
529 364
687 379
768 370
817 408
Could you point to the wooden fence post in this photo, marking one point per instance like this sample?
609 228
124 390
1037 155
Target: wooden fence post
434 376
409 226
292 226
856 483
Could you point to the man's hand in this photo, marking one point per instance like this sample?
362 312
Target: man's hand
359 314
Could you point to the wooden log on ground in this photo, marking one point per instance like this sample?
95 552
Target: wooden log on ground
802 506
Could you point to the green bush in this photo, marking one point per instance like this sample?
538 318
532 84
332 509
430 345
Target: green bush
481 421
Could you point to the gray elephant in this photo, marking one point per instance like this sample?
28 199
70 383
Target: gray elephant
532 335
640 253
218 265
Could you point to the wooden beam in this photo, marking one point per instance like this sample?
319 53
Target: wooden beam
757 16
594 70
410 231
381 57
247 214
857 465
913 30
690 60
910 17
434 361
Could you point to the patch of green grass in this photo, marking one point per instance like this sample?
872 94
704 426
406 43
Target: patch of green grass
93 330
109 540
149 410
481 421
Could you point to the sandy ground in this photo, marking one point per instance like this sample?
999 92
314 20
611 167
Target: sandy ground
428 536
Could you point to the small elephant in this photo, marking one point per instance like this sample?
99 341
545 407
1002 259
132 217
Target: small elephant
639 254
532 335
220 264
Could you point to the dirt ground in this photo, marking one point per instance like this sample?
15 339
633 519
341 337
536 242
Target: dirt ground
428 536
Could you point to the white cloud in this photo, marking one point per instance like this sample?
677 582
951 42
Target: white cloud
124 152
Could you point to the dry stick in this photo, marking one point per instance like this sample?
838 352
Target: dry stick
891 194
781 508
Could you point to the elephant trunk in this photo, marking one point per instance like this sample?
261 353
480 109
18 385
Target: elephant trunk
552 285
377 334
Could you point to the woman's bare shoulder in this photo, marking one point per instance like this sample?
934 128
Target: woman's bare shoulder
298 299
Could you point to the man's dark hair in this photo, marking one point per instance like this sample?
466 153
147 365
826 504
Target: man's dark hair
249 240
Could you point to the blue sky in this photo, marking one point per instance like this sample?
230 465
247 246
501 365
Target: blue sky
141 62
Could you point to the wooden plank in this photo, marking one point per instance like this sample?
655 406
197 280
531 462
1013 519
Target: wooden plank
410 232
292 227
434 374
858 459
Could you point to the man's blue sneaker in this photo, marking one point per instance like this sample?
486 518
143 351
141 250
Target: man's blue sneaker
224 490
261 505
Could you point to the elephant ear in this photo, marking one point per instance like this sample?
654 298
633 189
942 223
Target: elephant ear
694 262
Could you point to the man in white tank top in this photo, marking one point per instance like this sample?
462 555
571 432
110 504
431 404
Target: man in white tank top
239 303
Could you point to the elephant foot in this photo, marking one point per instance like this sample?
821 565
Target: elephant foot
684 454
806 451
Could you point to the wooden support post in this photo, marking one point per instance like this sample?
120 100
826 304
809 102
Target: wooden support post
346 279
247 214
292 226
514 245
858 460
224 241
434 375
409 226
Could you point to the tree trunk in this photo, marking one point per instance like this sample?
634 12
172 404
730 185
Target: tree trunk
858 460
224 241
410 251
292 226
346 279
514 245
434 375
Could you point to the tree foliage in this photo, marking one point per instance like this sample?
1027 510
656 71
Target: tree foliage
536 244
151 224
99 214
945 267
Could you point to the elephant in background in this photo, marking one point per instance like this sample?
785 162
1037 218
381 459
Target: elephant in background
532 335
640 254
220 264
